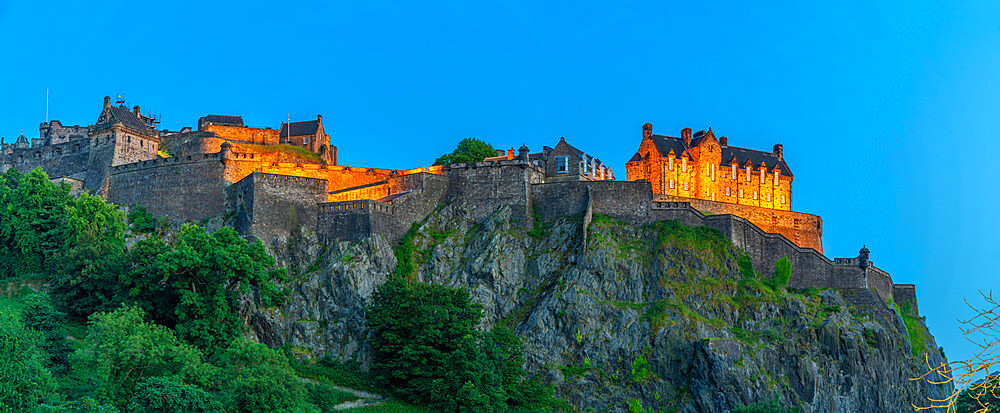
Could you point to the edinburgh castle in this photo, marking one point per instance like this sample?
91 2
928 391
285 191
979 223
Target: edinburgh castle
269 183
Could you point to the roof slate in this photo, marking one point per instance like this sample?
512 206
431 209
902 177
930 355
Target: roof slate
665 143
128 119
224 120
308 127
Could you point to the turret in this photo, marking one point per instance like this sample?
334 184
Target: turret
227 150
522 153
863 257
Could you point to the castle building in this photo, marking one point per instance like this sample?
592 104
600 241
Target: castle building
562 163
722 179
703 167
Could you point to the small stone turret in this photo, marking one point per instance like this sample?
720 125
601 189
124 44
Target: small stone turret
522 153
647 131
686 136
863 261
227 151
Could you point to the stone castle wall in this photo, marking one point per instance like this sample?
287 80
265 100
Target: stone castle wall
357 219
805 230
182 188
64 159
270 206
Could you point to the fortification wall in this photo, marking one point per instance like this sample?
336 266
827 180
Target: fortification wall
250 135
356 219
64 159
183 188
487 186
905 294
241 164
629 201
381 189
270 206
805 230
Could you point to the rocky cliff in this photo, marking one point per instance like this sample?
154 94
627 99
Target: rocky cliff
660 316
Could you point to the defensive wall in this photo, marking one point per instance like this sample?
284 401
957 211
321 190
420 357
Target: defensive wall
805 230
269 206
64 159
181 188
632 202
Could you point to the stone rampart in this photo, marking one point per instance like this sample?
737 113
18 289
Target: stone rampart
188 188
64 159
805 230
270 206
487 186
905 295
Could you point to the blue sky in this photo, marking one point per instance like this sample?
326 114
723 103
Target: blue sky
888 112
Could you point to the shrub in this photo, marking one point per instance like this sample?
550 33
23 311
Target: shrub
142 222
258 379
24 380
164 395
782 274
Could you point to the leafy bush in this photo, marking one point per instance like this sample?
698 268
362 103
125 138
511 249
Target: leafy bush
142 221
425 348
40 315
24 380
164 395
782 274
258 379
639 369
469 150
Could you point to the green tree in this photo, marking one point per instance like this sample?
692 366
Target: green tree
24 380
32 216
259 379
92 261
195 283
141 221
122 349
158 394
469 150
40 315
425 348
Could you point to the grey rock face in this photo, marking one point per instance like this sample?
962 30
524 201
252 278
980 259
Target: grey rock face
657 315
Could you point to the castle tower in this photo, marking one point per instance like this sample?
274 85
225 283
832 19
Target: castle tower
118 137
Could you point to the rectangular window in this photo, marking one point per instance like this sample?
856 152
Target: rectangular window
741 192
684 165
754 195
727 191
584 163
708 170
685 185
670 163
762 176
671 184
748 174
775 178
562 164
706 192
782 199
768 198
734 172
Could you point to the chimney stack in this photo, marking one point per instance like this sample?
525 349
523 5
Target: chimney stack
778 150
686 136
510 154
647 131
723 141
107 102
136 110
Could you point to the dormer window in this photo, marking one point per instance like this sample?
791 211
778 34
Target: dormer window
776 177
684 165
748 173
734 172
670 163
562 164
762 175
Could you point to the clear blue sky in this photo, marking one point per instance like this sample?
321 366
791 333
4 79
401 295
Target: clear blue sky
889 112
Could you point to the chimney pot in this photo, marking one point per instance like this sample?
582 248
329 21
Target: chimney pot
510 154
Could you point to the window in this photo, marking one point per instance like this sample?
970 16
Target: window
767 198
761 175
754 195
584 163
775 177
708 170
670 163
684 165
671 184
562 164
741 192
727 191
782 199
734 172
748 173
685 185
706 192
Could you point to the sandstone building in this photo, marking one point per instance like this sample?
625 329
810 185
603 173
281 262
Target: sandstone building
722 179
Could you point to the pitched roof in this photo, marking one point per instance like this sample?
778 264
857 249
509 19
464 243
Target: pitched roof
128 119
665 143
308 127
222 120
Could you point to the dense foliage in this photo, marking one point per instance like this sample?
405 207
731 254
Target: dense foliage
469 150
24 380
426 349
